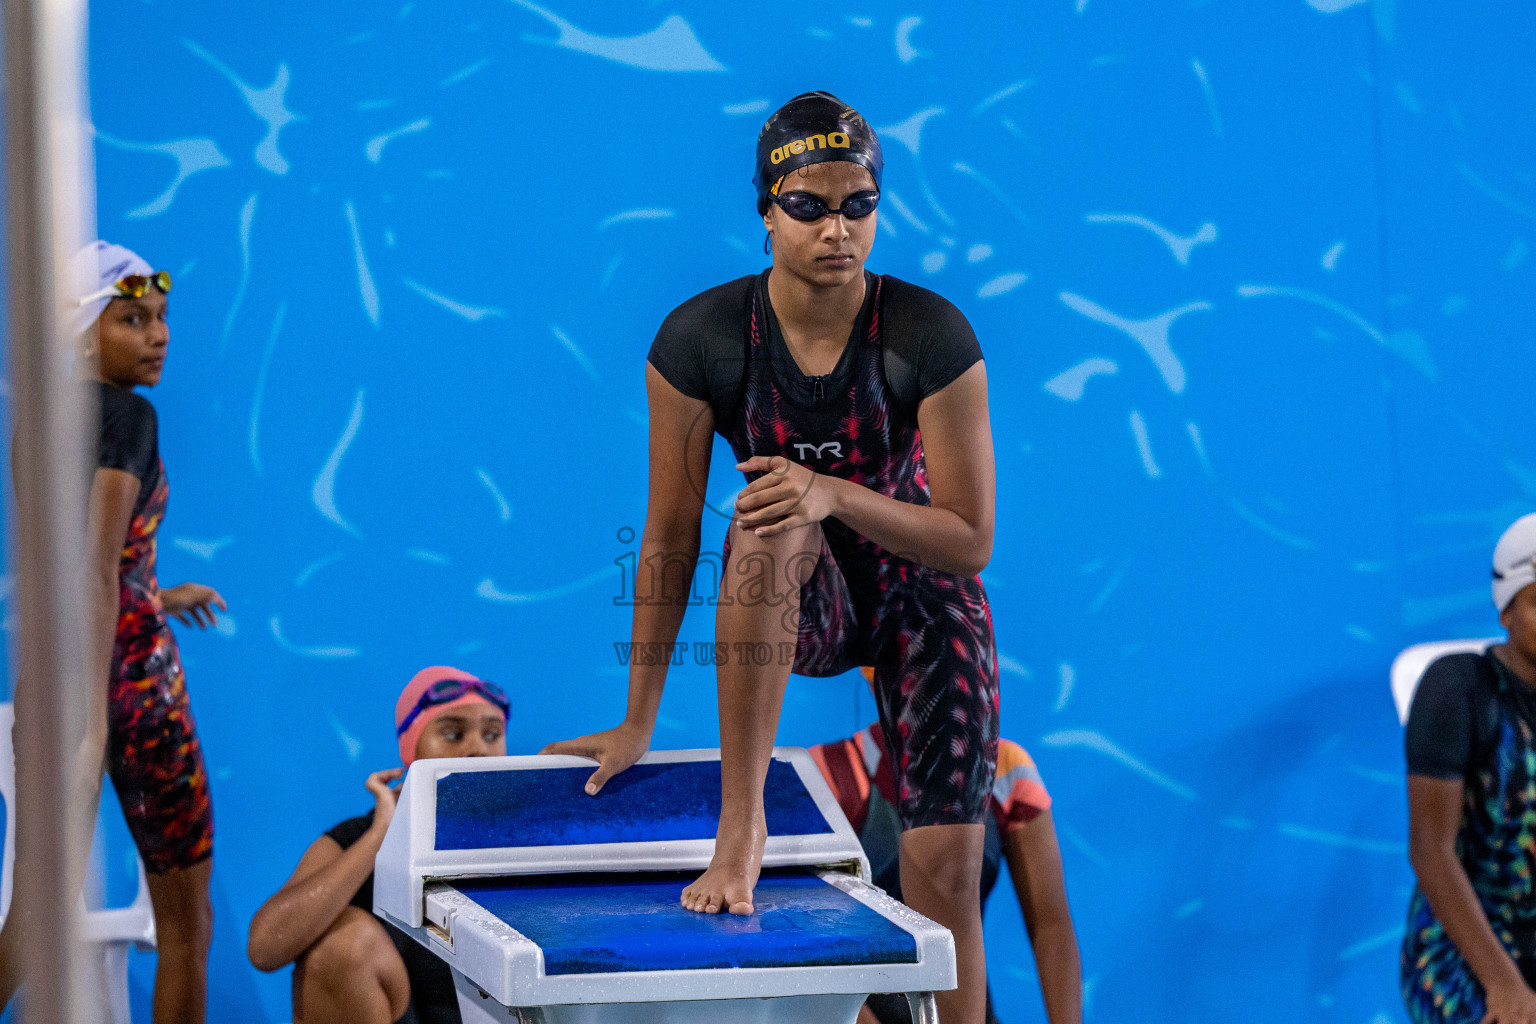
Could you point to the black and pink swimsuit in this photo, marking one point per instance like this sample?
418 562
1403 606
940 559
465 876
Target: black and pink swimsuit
927 633
153 753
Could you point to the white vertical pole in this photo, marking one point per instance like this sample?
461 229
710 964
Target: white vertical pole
49 200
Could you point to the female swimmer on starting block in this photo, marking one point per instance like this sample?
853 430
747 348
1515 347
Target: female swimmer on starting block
856 405
349 965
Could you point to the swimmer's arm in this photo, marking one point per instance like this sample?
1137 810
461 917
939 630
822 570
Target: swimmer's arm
297 915
109 514
681 436
320 888
953 534
1034 864
1434 818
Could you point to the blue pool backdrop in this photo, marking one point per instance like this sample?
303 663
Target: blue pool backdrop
1254 283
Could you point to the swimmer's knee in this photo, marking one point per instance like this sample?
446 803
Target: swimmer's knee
787 542
352 964
183 909
796 551
355 948
779 564
193 939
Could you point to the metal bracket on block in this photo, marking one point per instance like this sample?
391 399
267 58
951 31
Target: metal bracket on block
924 1007
438 919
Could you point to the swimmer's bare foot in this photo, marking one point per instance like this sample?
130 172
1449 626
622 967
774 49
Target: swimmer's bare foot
733 870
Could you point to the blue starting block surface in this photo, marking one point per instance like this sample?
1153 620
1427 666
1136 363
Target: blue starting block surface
649 802
611 923
538 895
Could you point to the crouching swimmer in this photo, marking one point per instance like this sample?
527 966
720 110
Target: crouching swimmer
349 966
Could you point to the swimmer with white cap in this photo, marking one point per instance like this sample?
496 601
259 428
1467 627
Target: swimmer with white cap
1469 953
139 725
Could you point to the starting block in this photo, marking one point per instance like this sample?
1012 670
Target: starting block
556 907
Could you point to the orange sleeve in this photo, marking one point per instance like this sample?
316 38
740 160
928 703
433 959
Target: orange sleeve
843 768
1018 793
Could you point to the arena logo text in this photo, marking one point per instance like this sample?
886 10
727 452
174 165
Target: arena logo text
833 140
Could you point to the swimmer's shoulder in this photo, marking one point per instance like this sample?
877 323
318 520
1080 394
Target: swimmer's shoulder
1011 755
125 409
929 343
698 348
128 432
908 305
712 308
1462 676
1019 793
344 834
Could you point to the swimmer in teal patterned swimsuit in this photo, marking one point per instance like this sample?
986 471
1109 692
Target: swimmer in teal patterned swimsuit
1469 955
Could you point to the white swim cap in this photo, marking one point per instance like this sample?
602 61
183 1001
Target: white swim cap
1514 561
99 265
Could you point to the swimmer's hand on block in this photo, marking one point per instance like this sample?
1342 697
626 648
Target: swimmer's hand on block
738 858
613 749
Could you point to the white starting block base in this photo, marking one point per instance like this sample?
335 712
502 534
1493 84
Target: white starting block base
554 907
476 1007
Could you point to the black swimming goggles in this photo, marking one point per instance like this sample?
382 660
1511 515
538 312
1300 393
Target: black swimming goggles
808 207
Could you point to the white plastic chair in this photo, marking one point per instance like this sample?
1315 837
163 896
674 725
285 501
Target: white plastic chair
1408 668
109 932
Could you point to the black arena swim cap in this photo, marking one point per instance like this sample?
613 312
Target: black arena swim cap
812 128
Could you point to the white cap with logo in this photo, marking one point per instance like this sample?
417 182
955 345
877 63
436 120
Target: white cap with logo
95 268
1514 561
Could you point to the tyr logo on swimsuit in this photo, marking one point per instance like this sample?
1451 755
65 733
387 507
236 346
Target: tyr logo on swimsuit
836 447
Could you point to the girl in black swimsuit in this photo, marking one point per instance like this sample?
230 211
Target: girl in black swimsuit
856 406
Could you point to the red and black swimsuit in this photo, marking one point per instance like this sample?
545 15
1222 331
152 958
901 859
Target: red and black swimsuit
927 633
153 753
